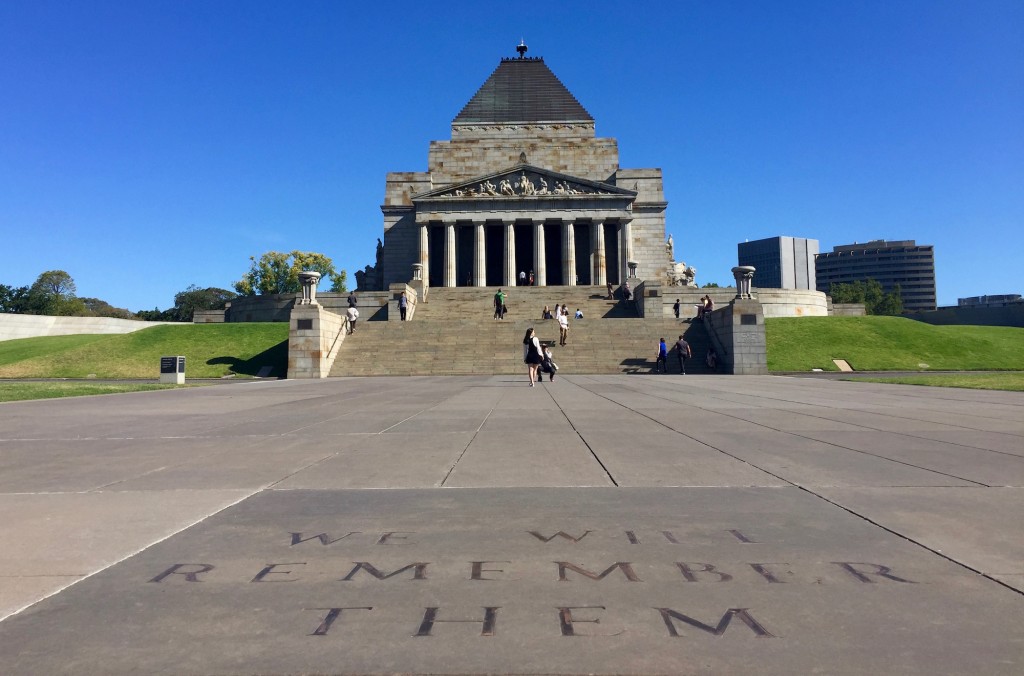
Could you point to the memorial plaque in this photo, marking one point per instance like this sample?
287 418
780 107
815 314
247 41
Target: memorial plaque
304 324
748 320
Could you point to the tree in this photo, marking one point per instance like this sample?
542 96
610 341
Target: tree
193 298
53 293
711 285
277 272
13 299
876 300
94 307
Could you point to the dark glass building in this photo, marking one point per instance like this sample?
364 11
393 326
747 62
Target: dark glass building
781 262
904 262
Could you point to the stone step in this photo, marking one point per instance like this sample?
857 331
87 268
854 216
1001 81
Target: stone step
486 346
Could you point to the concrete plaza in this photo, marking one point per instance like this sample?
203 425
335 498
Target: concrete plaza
597 524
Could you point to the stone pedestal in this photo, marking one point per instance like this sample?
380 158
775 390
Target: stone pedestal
737 330
744 275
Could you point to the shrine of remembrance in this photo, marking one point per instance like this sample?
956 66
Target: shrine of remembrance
523 186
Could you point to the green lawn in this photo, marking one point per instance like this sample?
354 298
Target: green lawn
211 351
890 344
1011 382
31 391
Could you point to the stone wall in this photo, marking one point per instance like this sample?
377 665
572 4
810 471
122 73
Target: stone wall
315 334
848 310
1010 315
261 308
737 331
14 326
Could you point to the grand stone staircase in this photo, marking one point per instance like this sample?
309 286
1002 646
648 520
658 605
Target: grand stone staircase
456 334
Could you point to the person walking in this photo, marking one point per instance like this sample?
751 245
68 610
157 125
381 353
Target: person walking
675 308
531 277
532 355
499 305
403 304
661 366
352 300
563 326
522 278
611 292
353 315
683 352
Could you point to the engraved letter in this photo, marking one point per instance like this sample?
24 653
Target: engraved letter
566 620
558 534
633 539
667 614
881 571
269 570
670 537
394 535
479 570
323 537
741 537
430 617
190 576
420 572
688 572
332 615
624 566
762 570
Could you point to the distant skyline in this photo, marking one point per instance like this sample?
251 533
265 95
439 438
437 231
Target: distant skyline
147 146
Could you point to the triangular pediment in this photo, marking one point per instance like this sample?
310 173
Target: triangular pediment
524 180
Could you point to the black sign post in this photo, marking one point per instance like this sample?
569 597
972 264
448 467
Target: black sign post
172 370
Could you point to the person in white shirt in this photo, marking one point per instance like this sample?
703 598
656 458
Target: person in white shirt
579 313
353 315
563 327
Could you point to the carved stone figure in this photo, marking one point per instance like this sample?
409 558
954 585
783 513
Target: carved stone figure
543 189
681 274
525 185
505 187
670 247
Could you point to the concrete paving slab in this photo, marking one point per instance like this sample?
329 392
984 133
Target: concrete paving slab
982 466
481 581
540 532
979 527
50 540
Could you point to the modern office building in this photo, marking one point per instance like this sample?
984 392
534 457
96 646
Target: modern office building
781 262
1000 300
904 262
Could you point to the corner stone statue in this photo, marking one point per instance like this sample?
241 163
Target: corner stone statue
670 247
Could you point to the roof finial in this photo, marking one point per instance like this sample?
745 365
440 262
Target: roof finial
521 48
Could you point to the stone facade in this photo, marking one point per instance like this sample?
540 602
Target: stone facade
472 220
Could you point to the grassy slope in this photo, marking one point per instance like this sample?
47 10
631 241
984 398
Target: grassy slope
889 344
211 351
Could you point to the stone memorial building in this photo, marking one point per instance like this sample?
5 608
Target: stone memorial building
524 185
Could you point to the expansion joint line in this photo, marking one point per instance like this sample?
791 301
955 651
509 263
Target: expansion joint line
833 444
912 541
470 443
702 443
832 502
592 451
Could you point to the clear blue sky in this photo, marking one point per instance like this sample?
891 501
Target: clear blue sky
146 146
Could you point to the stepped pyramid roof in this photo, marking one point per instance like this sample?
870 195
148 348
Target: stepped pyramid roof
522 90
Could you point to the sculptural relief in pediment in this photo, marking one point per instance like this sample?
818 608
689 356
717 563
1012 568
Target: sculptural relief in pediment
523 183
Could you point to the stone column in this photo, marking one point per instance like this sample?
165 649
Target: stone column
425 252
597 247
540 268
449 254
480 266
569 253
509 278
625 247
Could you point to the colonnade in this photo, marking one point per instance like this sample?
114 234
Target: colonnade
510 266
